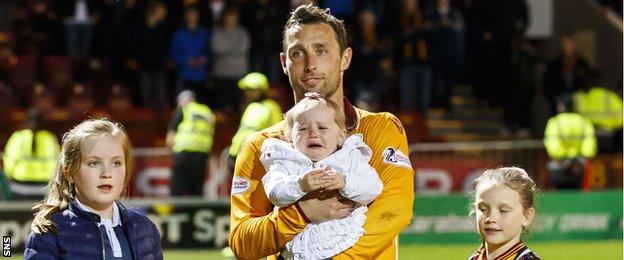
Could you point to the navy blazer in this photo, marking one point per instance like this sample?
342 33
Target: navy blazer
79 237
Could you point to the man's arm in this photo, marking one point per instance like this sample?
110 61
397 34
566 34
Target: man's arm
392 209
256 230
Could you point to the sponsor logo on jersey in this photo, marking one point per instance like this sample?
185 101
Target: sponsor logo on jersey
396 157
240 184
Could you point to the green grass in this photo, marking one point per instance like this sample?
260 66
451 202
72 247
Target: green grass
594 249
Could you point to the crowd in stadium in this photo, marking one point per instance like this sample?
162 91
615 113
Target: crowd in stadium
186 74
408 54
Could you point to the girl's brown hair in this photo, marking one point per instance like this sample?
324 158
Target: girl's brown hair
60 190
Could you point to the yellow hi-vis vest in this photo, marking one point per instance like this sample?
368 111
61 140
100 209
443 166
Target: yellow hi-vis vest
23 164
196 130
601 106
569 135
257 116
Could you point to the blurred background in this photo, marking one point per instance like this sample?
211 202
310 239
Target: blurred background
474 82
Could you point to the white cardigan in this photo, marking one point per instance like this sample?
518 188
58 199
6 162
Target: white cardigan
285 165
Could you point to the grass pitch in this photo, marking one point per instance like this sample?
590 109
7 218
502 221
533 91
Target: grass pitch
592 249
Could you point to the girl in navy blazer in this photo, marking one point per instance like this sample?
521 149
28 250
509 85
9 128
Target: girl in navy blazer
81 218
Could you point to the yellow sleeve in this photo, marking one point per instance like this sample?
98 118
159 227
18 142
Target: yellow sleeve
256 230
392 209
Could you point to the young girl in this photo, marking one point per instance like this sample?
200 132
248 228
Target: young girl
81 218
503 204
320 158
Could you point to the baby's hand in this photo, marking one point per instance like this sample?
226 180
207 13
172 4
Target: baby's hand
311 180
334 181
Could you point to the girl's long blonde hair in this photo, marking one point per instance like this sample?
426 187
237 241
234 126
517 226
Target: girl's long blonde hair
60 190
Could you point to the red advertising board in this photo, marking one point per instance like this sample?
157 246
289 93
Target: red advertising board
439 176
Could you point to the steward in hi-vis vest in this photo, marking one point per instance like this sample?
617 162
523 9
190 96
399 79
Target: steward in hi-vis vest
30 157
569 139
190 136
261 112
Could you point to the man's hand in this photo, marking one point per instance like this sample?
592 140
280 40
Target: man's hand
322 205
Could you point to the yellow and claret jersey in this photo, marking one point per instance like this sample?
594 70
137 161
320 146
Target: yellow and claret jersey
257 230
518 251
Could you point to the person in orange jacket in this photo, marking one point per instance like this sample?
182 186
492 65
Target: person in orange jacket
315 56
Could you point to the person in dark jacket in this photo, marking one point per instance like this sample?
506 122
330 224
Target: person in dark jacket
81 218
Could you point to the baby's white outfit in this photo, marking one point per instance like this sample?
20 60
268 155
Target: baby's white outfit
285 165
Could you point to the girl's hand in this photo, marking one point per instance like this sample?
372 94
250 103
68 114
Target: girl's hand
334 181
311 180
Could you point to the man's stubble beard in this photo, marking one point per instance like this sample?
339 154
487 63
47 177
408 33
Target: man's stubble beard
326 86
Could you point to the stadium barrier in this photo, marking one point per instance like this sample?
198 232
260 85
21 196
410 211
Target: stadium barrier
445 168
441 168
559 216
197 223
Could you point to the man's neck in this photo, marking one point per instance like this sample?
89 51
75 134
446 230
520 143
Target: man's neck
338 97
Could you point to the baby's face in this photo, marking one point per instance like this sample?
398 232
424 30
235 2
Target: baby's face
316 134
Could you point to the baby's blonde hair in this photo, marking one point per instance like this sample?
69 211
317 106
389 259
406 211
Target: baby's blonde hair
60 190
513 177
309 103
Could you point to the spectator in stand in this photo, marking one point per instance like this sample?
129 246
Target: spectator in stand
230 45
569 139
190 136
78 29
190 51
412 60
114 38
30 158
263 19
371 63
564 74
39 28
151 51
517 114
445 26
493 24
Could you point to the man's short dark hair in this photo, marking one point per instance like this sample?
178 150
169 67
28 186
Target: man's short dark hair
310 14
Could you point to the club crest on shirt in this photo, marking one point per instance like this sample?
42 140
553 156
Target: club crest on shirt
240 184
396 157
